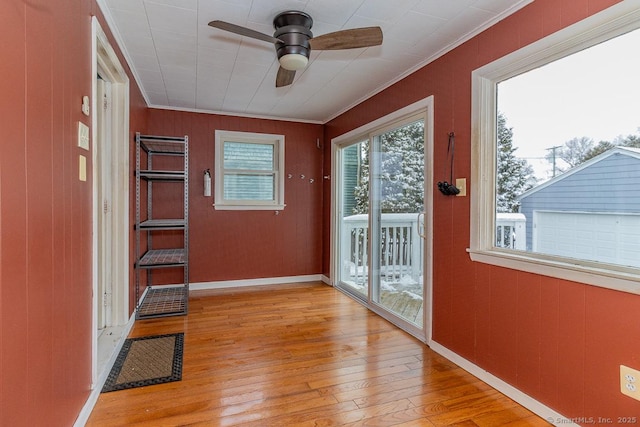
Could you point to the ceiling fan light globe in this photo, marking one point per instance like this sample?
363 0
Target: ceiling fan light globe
293 61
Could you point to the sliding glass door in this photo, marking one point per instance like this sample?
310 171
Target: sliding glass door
381 193
397 195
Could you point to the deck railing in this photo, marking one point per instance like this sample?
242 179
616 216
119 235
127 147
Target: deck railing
401 248
510 231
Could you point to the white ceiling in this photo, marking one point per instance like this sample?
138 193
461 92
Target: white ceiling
182 63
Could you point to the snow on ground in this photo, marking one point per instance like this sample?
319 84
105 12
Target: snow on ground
405 284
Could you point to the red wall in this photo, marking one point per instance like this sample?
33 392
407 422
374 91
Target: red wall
45 211
558 341
231 245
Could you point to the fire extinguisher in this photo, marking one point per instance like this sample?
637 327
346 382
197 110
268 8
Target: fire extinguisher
207 183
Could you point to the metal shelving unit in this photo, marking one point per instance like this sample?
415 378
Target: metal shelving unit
160 300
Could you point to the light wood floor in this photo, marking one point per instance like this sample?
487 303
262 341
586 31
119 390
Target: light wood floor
307 355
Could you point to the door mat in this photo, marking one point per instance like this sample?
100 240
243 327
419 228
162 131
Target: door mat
147 361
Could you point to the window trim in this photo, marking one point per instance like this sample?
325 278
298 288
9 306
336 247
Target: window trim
253 138
614 21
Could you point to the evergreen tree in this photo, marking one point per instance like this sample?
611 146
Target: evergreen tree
514 175
401 171
361 189
632 141
598 149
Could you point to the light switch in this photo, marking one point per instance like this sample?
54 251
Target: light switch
82 165
83 136
461 184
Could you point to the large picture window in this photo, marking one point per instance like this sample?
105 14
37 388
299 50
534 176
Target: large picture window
557 155
248 171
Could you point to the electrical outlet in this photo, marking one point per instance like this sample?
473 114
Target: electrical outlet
630 382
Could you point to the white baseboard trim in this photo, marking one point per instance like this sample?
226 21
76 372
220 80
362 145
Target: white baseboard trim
327 280
254 282
505 388
83 417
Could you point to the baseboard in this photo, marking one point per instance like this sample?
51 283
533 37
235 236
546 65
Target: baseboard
254 282
505 388
327 280
83 417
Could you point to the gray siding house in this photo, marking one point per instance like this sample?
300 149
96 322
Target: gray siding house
351 159
591 211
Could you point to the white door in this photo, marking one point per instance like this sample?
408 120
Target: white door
110 152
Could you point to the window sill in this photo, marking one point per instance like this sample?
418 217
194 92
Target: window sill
220 207
622 280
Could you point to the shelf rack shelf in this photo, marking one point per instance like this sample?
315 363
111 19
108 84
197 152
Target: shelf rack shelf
160 300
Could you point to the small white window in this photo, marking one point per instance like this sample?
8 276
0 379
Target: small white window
249 171
581 221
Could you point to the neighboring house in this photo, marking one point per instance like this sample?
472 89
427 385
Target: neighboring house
351 178
592 210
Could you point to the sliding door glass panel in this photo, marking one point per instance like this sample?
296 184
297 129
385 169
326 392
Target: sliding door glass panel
397 201
353 223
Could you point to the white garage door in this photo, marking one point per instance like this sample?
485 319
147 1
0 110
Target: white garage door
605 237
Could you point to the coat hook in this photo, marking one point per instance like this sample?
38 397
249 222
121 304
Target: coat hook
311 180
289 176
327 177
301 176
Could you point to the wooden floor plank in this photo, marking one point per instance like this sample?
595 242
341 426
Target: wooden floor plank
302 354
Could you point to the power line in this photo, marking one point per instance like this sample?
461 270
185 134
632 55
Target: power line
553 156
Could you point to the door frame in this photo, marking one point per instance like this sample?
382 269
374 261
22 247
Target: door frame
423 106
105 62
103 165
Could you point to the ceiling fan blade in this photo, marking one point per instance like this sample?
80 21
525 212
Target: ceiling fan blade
348 39
243 31
284 77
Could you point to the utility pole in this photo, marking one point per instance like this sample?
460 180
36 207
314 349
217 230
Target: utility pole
553 156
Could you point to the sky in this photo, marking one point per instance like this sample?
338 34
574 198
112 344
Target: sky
593 93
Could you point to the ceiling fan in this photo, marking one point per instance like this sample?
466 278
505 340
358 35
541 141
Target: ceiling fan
293 40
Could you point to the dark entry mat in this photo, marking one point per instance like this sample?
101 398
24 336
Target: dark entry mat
147 361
